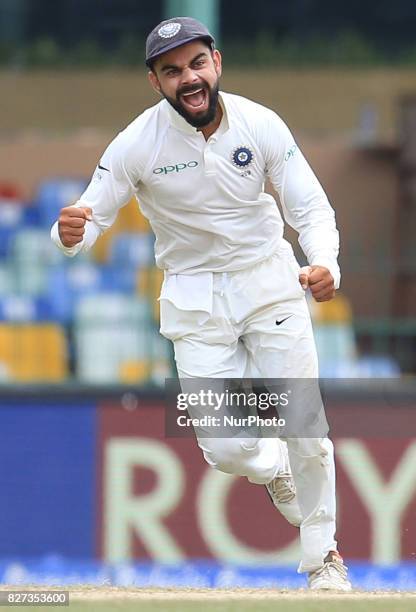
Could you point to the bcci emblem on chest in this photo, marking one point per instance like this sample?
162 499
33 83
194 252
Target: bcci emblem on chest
242 157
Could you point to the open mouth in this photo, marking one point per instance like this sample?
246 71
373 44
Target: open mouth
196 100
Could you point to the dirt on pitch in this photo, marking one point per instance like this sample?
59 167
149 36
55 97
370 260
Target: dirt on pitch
83 598
105 593
86 593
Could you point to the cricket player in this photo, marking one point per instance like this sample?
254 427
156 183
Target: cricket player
233 294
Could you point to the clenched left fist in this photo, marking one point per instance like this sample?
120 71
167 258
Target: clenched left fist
319 280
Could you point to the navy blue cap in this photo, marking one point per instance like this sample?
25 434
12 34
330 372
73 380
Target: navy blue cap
173 33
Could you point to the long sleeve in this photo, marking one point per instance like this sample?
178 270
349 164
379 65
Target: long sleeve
305 205
111 187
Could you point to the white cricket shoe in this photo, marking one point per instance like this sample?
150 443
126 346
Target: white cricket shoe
332 576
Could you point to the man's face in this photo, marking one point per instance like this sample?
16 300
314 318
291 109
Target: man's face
188 78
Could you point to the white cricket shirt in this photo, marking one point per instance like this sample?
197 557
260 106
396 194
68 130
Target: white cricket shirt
205 200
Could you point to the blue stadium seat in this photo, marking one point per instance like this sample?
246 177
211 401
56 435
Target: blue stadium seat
54 194
68 283
31 216
6 238
24 309
32 244
11 218
31 255
121 278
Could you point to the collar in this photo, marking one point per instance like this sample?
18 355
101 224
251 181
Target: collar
181 124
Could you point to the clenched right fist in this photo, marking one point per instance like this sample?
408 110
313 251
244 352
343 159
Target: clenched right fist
71 224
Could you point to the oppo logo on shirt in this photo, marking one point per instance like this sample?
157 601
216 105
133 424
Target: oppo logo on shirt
175 168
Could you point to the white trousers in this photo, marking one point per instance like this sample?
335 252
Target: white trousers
256 323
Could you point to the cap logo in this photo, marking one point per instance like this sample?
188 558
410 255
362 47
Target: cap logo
169 29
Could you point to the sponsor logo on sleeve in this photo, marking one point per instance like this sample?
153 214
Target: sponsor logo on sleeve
291 152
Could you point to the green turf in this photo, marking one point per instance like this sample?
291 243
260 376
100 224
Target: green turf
354 605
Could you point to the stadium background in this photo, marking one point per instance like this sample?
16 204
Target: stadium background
93 490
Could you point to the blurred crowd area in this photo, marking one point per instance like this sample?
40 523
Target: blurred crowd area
94 318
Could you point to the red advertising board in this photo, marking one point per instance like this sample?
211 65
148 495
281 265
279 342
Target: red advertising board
158 499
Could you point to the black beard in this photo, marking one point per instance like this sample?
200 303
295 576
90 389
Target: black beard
208 116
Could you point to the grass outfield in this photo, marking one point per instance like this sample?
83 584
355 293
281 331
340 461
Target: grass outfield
91 599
